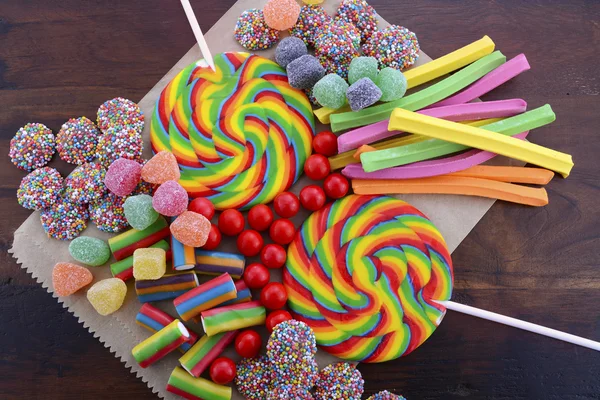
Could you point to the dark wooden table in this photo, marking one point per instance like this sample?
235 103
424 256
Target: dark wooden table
62 59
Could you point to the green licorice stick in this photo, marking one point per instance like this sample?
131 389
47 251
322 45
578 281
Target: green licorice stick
402 155
422 98
183 384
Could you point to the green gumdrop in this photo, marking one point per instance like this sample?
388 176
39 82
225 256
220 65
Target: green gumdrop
392 84
330 91
362 67
89 251
139 212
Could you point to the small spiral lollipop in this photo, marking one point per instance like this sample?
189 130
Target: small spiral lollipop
240 133
364 273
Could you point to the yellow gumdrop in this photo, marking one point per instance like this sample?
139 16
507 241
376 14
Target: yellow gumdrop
149 264
107 296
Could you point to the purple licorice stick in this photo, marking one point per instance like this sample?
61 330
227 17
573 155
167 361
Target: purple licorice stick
456 113
423 169
489 82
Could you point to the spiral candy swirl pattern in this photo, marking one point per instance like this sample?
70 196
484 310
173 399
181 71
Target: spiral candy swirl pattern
362 273
240 134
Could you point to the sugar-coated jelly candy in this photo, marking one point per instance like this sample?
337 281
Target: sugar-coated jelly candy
170 199
392 83
89 250
123 176
362 67
161 168
149 264
330 91
68 278
281 14
107 296
191 229
139 211
362 93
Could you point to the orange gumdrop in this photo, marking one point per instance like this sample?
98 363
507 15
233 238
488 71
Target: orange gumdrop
68 278
161 168
191 229
281 14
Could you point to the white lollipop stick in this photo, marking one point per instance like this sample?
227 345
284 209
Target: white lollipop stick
189 12
517 323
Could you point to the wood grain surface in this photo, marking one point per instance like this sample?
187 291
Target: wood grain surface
61 59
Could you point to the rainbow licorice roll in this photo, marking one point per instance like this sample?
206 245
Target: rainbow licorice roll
124 269
364 273
183 384
229 318
216 262
184 257
243 294
160 344
165 288
123 245
205 351
154 320
205 297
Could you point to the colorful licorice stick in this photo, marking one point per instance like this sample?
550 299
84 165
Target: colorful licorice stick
481 139
183 384
205 351
160 344
497 77
244 294
168 287
154 320
124 269
184 257
432 148
206 296
457 113
448 184
324 114
230 318
216 262
123 245
424 169
450 62
422 98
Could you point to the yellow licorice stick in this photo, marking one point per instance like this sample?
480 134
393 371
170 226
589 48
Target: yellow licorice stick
408 121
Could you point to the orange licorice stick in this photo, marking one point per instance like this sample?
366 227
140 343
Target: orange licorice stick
533 176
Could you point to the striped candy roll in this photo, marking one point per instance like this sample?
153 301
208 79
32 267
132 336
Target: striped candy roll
184 257
243 294
123 245
229 318
124 269
205 351
160 344
241 133
216 262
154 320
363 273
205 297
183 384
165 288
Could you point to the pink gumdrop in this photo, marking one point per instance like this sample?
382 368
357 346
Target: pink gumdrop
170 199
191 229
123 176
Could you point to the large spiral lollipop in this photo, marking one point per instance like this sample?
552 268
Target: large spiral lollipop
363 273
241 133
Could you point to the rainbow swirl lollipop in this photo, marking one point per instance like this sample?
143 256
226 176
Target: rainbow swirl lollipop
240 134
362 273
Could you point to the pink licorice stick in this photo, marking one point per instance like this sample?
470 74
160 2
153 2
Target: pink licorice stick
456 113
491 81
427 168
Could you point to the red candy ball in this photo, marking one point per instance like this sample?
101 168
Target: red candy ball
276 317
273 296
247 343
286 204
273 256
317 167
256 276
222 370
260 217
325 143
336 186
250 243
231 222
282 231
214 238
202 205
312 197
